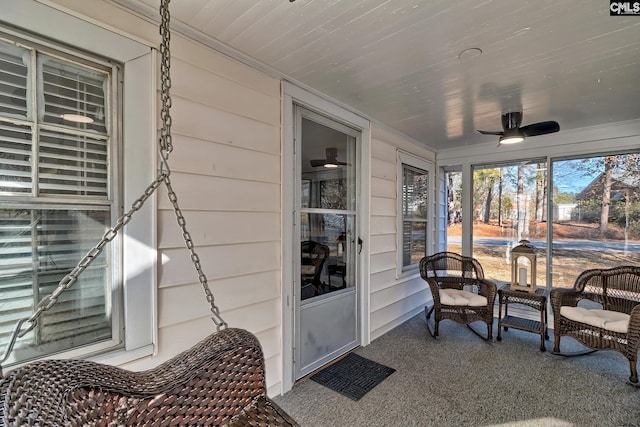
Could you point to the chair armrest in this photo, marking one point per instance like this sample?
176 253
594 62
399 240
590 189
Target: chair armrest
434 286
633 331
560 297
488 289
564 296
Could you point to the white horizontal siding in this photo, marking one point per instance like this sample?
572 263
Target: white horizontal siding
219 262
384 224
392 315
382 279
223 159
230 293
383 243
382 206
219 92
383 262
212 228
207 123
393 296
199 192
406 289
384 169
232 71
383 187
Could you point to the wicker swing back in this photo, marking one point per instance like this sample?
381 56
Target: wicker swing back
218 382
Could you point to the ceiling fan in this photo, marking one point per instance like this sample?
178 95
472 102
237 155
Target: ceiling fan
330 161
513 133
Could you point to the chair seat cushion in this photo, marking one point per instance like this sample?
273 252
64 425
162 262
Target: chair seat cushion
605 319
308 270
459 297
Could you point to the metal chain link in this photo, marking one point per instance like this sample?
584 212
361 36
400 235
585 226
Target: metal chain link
166 147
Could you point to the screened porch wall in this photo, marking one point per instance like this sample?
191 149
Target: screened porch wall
395 297
226 172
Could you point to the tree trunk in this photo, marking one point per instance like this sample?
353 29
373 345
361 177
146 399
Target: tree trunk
522 220
500 199
540 192
487 206
450 200
606 194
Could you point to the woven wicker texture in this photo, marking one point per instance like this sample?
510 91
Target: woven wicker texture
216 380
455 271
615 289
262 412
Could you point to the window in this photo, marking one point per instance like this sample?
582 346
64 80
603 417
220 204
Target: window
57 187
415 209
453 196
509 205
596 214
593 202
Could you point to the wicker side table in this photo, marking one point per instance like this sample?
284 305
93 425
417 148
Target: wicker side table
537 301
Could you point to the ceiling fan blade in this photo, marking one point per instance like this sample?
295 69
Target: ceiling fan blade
317 162
486 132
541 128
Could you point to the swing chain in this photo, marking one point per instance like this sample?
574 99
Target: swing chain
25 325
166 143
166 148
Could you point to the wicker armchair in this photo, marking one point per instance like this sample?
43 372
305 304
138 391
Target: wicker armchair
601 311
220 381
314 255
460 291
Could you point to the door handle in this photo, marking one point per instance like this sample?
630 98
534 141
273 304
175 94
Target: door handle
359 245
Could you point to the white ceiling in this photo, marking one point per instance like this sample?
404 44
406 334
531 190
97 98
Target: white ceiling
398 61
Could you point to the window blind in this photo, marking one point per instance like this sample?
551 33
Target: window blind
14 76
67 88
72 164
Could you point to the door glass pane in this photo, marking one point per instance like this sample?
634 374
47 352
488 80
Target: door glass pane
509 205
327 210
596 215
328 253
328 175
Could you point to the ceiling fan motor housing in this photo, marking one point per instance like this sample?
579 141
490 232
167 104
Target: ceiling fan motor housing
511 120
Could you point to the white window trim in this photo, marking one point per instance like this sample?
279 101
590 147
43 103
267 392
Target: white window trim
404 158
139 255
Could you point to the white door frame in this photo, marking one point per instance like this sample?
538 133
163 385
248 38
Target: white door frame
291 95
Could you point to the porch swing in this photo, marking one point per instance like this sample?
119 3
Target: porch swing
219 381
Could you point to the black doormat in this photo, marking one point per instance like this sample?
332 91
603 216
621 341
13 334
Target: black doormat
353 376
